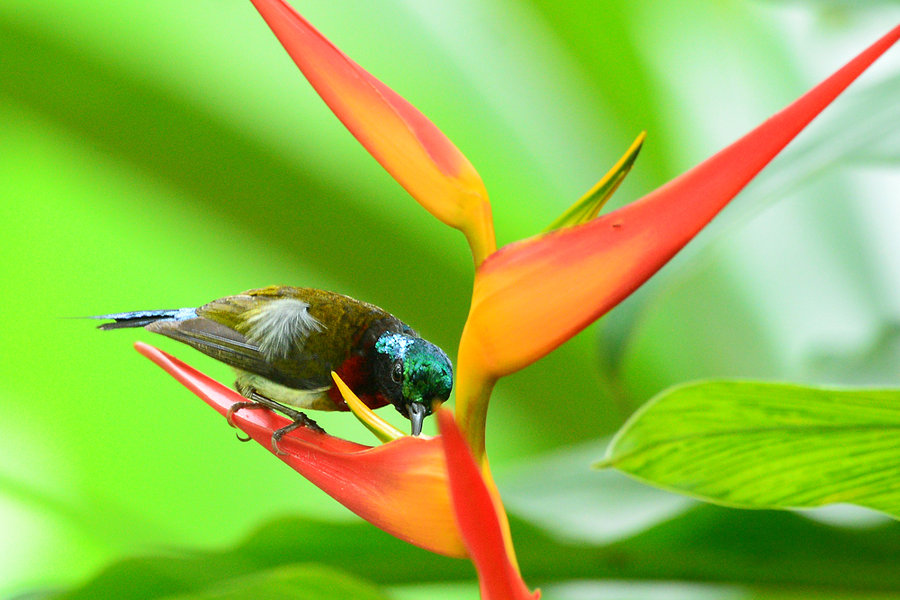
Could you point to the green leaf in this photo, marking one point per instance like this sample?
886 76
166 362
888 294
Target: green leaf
766 445
589 205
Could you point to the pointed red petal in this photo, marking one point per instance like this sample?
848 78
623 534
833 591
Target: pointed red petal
404 141
478 520
532 296
400 487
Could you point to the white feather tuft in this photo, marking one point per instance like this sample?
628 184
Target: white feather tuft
279 325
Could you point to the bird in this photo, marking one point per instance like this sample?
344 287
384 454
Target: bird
283 343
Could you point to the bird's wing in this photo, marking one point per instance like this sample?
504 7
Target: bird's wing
218 341
277 326
272 332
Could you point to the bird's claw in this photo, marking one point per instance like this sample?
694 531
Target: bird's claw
300 420
229 416
258 401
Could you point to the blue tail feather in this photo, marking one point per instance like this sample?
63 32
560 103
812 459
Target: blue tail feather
139 318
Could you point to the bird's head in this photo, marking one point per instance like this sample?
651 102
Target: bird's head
414 374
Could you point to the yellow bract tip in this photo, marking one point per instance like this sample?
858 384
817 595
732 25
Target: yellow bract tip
383 430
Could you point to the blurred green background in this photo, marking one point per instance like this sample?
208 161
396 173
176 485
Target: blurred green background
163 154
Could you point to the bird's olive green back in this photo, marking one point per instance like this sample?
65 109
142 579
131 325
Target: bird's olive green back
344 322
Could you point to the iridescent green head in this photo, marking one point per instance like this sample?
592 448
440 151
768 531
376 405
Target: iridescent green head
413 374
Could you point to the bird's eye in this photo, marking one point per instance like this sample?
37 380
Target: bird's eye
397 373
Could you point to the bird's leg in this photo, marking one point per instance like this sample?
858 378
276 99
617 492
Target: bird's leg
257 400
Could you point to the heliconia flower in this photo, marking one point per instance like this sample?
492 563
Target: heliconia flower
400 487
407 144
562 281
478 517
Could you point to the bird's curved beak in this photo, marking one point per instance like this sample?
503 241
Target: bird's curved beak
417 413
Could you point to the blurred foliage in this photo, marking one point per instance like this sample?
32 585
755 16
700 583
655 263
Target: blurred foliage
705 544
162 154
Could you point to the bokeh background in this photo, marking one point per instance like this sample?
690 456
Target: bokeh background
163 154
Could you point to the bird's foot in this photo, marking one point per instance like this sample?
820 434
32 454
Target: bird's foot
300 420
257 400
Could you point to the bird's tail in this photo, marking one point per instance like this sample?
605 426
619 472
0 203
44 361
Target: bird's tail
139 318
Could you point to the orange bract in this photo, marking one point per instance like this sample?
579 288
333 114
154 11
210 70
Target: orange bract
404 141
531 296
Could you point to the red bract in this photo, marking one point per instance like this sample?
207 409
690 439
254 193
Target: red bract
400 487
479 519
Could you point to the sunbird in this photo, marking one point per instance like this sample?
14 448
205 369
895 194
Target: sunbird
283 343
